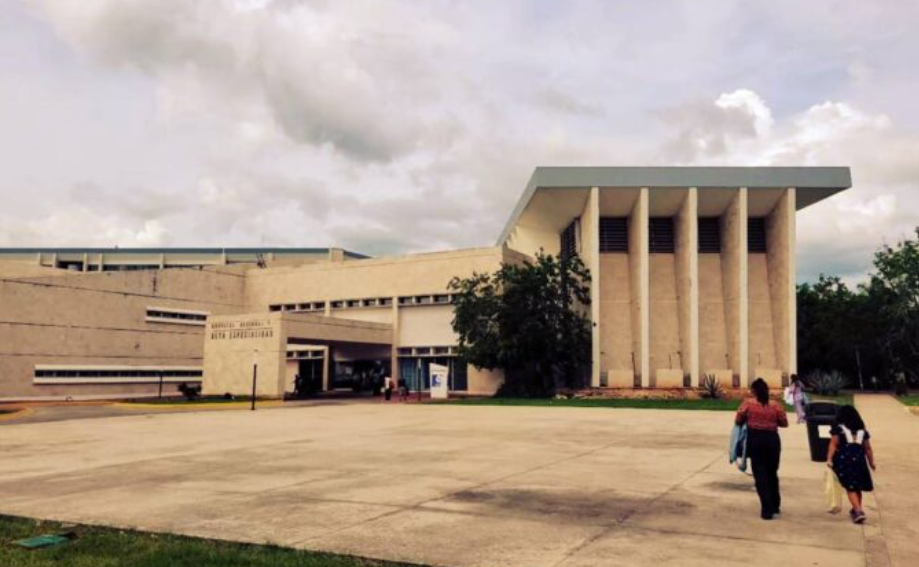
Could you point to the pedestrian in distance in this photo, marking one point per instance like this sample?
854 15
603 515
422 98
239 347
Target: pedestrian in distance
763 418
796 397
388 387
850 455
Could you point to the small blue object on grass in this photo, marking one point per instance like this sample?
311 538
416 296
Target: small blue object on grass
46 540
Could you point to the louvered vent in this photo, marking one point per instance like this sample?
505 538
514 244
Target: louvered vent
568 241
756 234
614 234
661 235
709 235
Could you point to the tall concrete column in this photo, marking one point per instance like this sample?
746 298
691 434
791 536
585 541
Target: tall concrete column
780 257
325 368
394 349
590 252
734 278
687 273
640 286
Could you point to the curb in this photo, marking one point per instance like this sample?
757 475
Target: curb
196 406
16 414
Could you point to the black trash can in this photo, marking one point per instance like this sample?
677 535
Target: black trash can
819 414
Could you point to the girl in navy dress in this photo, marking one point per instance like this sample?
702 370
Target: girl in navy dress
849 456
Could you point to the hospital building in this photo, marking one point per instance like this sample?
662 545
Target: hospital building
693 274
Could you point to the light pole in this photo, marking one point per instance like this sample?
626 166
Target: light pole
254 376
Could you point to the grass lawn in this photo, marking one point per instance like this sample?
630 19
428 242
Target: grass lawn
910 400
711 405
104 547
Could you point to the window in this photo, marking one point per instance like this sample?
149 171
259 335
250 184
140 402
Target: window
661 235
709 235
441 299
337 304
274 308
176 316
756 234
614 234
568 241
385 301
53 374
354 303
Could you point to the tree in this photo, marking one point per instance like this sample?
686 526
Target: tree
894 289
872 330
529 320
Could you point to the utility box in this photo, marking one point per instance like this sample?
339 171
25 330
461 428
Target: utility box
820 416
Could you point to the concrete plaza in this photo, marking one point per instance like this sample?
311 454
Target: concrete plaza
451 485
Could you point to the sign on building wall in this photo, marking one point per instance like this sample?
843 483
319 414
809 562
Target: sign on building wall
251 329
439 376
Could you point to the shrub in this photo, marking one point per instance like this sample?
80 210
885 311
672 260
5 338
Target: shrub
711 387
827 383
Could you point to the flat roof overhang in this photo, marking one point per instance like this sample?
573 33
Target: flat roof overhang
813 183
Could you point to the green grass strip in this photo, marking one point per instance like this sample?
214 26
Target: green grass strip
105 547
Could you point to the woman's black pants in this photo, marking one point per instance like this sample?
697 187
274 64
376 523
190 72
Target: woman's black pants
765 450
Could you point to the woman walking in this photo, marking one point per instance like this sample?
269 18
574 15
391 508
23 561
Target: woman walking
796 397
849 456
763 418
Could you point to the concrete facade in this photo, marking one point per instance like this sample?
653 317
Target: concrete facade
667 309
668 314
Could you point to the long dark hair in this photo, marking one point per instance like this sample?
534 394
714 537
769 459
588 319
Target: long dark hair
850 417
760 390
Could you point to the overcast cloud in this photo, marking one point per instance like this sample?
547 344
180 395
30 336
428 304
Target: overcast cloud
390 127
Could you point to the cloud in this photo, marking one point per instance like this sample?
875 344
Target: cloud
409 126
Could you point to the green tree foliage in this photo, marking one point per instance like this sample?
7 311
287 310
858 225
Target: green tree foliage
529 320
871 330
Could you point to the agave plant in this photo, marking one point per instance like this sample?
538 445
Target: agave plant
711 387
827 383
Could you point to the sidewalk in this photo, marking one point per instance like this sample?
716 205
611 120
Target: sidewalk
895 438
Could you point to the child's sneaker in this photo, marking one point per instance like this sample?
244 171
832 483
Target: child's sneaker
859 517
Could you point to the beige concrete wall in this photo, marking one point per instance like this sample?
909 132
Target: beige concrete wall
381 277
665 322
234 344
426 326
734 278
483 382
780 240
616 311
714 357
639 274
761 350
99 319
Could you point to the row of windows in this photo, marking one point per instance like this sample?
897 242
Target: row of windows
404 301
304 354
115 373
182 317
614 235
427 351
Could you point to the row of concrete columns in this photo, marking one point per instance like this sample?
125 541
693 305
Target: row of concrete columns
778 307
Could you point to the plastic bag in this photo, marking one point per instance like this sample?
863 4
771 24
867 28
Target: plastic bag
833 492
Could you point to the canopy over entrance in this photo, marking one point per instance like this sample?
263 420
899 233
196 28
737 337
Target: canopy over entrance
277 342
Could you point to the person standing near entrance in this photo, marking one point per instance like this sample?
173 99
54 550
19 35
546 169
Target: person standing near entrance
388 387
763 418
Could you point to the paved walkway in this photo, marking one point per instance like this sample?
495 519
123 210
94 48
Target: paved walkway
450 485
895 438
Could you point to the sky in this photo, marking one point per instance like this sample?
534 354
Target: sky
399 127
